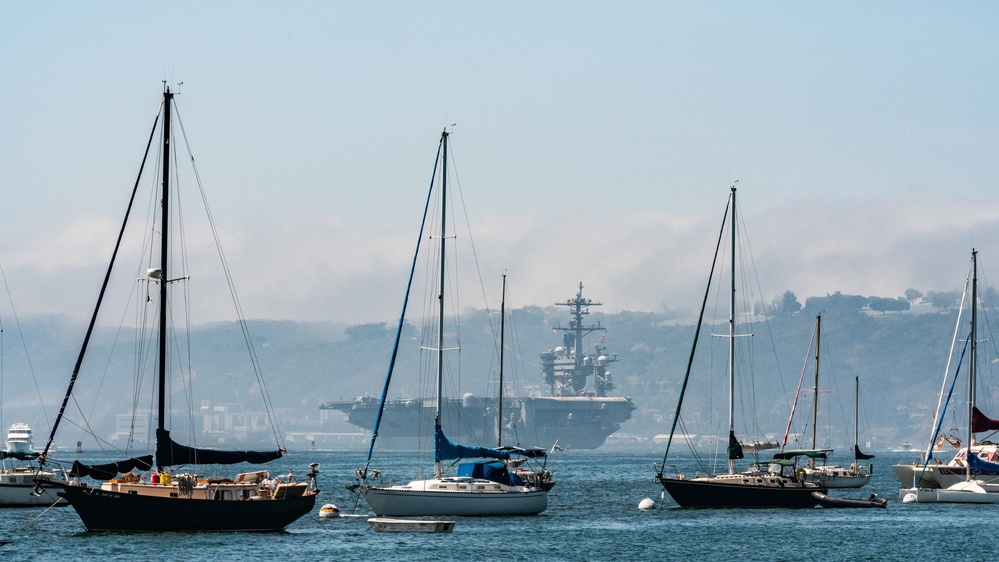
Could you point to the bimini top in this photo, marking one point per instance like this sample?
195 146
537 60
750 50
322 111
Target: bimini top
493 471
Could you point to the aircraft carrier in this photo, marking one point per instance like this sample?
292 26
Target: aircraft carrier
577 413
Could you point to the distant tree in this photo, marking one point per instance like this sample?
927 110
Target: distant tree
836 301
789 304
944 299
883 305
912 295
368 331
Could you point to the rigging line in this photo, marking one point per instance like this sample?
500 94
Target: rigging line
103 444
939 423
797 392
749 249
471 241
989 296
182 370
110 355
27 356
938 415
241 318
697 333
100 298
747 356
402 318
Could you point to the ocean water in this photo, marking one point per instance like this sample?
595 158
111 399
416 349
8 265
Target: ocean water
592 515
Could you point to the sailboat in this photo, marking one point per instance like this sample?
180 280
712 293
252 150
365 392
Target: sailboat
771 484
480 487
972 476
123 500
525 463
830 476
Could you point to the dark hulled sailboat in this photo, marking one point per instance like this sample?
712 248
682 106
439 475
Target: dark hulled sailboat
768 484
124 501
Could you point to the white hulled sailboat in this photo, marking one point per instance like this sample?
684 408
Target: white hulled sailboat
482 487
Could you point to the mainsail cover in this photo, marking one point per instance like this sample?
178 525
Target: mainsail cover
734 447
170 453
860 455
980 422
111 470
445 449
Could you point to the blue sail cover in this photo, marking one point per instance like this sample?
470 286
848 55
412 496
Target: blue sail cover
494 471
978 465
170 453
445 449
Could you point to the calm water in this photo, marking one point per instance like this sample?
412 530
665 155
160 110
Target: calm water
592 515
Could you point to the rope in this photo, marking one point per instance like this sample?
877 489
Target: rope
32 522
100 298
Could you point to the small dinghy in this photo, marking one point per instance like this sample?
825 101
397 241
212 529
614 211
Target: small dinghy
388 525
832 501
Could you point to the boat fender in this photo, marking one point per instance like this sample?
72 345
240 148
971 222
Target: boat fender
800 474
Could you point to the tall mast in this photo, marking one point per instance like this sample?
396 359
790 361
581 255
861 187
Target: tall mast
815 388
164 255
499 422
856 415
731 347
973 367
440 299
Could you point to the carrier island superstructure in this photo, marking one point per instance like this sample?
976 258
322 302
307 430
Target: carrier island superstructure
577 412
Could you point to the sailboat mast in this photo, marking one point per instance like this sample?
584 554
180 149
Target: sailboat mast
815 388
499 416
856 415
164 255
731 347
440 299
973 366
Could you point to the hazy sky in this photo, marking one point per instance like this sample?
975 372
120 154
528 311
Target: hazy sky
595 142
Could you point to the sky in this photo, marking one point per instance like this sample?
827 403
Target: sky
595 142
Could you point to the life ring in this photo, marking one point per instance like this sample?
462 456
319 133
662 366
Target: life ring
800 474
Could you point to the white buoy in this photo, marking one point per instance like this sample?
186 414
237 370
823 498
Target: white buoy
647 503
909 498
328 511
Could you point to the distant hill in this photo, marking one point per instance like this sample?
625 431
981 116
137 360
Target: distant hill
898 355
